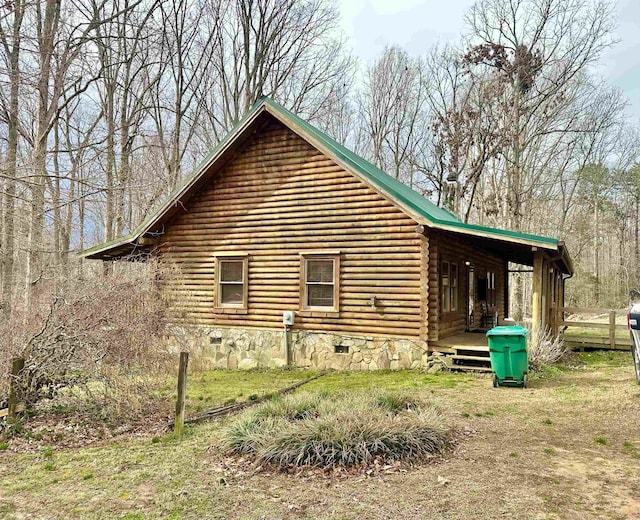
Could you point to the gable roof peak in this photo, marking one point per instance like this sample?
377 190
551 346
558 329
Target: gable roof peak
408 200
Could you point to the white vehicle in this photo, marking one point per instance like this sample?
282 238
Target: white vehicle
633 323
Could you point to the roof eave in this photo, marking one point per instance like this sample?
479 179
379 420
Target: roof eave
98 251
550 244
566 257
132 247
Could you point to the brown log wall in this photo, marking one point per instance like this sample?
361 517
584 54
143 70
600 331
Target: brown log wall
448 247
278 197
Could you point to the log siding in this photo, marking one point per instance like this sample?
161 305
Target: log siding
276 199
454 249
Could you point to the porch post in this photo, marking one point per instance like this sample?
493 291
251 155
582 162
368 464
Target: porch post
536 304
507 311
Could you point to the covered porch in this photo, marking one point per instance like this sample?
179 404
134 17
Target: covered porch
479 257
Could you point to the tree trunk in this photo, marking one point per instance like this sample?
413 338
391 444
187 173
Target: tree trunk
9 196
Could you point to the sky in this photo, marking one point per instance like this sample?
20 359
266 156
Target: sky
416 25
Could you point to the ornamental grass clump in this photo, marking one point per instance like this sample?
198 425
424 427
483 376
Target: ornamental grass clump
246 435
338 430
295 407
396 402
549 350
253 428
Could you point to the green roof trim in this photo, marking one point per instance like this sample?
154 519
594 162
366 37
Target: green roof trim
125 239
417 206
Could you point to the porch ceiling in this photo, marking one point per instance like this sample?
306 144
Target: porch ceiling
515 252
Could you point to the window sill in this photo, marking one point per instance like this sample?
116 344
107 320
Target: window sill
310 313
230 310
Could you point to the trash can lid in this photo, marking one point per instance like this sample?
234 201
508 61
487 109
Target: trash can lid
508 330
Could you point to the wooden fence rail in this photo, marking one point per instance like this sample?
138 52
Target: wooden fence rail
611 325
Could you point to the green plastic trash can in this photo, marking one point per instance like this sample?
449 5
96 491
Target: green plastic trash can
508 352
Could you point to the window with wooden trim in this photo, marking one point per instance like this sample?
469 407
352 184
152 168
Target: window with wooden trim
231 283
491 288
449 286
320 282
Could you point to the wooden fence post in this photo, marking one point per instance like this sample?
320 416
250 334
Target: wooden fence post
612 329
182 393
15 392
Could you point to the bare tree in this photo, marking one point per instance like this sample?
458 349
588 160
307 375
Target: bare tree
290 50
186 53
59 40
538 49
128 57
462 110
11 42
392 109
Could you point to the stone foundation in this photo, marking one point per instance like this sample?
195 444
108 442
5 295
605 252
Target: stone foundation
230 348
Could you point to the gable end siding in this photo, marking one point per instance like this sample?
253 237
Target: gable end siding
280 197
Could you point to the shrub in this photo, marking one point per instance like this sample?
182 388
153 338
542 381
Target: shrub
93 338
547 351
311 429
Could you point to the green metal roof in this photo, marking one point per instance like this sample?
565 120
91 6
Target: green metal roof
111 243
417 206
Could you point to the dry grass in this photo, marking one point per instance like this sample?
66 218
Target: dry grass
522 454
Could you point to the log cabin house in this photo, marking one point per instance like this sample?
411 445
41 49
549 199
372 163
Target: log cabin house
280 217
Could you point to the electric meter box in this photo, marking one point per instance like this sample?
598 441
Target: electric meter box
287 318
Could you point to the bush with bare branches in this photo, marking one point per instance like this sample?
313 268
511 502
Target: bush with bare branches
96 337
548 350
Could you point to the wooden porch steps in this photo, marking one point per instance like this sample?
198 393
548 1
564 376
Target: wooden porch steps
471 368
467 351
473 348
471 358
473 363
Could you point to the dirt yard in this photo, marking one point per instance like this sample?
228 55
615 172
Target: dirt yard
568 447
